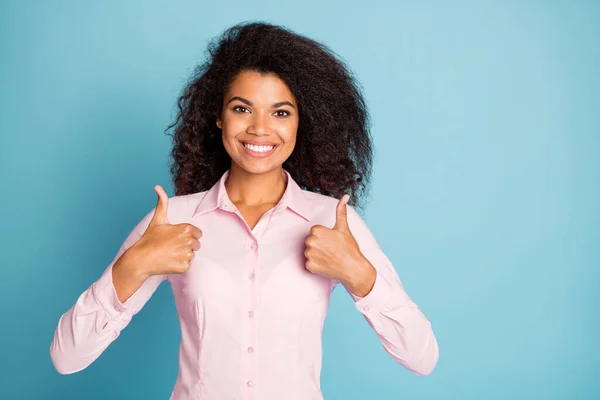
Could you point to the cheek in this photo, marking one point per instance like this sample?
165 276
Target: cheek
229 133
226 141
288 133
233 122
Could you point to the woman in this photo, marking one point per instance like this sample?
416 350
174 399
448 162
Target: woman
271 132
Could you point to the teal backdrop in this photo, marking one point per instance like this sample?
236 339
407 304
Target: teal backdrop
486 190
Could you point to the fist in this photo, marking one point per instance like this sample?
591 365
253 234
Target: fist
165 248
331 252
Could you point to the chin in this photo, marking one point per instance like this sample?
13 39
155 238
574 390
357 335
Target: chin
258 167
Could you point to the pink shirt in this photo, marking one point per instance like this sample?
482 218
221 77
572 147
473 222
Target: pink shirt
251 314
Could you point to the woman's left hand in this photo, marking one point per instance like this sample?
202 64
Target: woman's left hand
335 254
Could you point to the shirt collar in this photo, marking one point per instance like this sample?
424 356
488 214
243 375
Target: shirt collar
293 198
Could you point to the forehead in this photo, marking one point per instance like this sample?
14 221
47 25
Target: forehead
259 88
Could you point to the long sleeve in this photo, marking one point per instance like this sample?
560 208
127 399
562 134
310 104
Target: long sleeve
97 317
404 331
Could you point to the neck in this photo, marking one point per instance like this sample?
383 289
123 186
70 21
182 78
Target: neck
254 190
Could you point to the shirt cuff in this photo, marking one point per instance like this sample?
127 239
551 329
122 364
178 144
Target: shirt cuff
377 298
106 295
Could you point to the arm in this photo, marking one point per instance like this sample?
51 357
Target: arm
401 327
98 316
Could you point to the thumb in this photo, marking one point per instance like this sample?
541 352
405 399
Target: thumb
160 214
341 215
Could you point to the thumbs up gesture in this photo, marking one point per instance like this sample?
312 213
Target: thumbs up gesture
165 248
334 252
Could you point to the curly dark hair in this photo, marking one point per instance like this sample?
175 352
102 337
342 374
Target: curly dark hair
333 152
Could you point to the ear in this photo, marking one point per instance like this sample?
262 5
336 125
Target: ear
219 123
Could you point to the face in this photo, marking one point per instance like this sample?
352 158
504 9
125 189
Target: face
259 122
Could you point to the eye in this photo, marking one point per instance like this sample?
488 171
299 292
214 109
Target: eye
241 109
282 113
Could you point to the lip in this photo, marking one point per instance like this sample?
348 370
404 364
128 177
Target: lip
255 154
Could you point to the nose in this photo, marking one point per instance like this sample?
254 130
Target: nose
259 125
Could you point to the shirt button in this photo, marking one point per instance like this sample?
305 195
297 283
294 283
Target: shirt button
250 314
249 383
251 276
253 246
250 350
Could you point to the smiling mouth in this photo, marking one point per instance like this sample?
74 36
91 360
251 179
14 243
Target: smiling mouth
259 149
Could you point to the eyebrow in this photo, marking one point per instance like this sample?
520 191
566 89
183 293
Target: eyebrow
249 103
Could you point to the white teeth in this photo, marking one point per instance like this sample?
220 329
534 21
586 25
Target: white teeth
258 149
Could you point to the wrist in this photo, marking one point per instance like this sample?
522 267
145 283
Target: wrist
362 278
130 265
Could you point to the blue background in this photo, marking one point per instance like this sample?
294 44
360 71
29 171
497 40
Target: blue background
486 193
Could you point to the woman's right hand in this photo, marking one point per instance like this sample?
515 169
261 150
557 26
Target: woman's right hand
163 248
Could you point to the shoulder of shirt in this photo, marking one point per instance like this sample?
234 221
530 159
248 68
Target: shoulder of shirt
182 207
323 208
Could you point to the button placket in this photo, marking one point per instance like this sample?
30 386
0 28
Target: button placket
249 320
